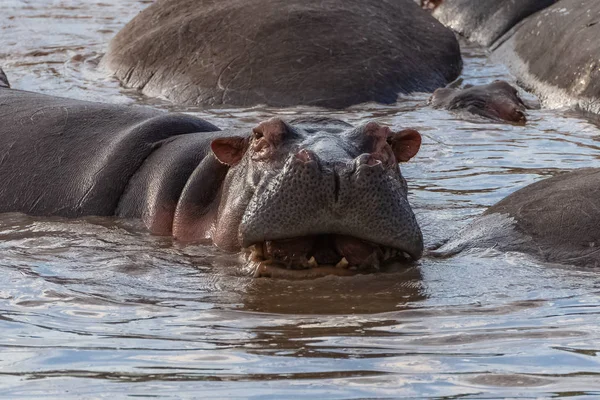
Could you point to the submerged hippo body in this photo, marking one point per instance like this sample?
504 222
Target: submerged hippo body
556 54
483 21
306 195
331 53
556 220
498 101
73 158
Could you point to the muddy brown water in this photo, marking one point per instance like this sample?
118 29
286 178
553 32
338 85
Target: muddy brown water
97 308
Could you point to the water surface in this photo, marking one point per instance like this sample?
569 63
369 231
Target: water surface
97 308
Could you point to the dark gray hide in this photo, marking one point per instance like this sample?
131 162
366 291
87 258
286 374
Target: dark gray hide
484 21
556 220
330 53
556 54
71 158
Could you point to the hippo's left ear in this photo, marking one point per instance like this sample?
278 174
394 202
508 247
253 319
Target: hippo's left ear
405 144
229 150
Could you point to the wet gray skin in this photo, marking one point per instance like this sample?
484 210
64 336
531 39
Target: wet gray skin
498 101
317 196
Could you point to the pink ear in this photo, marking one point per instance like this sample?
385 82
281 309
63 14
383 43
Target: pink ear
405 144
229 150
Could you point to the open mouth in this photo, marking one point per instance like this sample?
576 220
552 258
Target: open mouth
320 255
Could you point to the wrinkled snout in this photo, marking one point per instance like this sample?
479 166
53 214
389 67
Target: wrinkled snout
362 198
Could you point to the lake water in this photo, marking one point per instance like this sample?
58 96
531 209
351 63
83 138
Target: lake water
98 308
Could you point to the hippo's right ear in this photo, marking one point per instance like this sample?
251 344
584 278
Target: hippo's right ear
405 144
229 150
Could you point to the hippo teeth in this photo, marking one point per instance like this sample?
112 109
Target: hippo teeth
348 256
343 263
256 252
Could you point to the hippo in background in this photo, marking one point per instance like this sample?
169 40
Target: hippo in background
556 54
498 101
330 53
483 21
555 220
303 198
551 46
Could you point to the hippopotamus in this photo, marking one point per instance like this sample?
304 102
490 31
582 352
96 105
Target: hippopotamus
556 54
299 198
330 53
555 220
498 101
483 21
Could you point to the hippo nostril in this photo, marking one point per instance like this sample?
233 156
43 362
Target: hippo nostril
373 161
370 161
363 159
520 117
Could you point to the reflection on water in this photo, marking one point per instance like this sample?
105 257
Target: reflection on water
97 308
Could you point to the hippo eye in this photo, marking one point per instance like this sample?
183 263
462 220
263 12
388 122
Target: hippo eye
258 135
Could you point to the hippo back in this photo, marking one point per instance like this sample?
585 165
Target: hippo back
331 53
70 158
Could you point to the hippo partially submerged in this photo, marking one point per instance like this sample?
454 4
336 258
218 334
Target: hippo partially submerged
328 53
483 21
555 220
302 198
556 54
497 101
551 46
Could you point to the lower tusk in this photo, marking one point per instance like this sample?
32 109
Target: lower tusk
343 263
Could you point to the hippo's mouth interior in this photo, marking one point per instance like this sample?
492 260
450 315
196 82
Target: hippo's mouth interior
319 255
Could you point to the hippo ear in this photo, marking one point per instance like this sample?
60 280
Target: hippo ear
229 150
405 144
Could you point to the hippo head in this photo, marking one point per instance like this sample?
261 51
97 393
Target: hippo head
313 197
497 100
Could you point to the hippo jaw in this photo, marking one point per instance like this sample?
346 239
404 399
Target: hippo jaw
319 255
312 215
314 205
